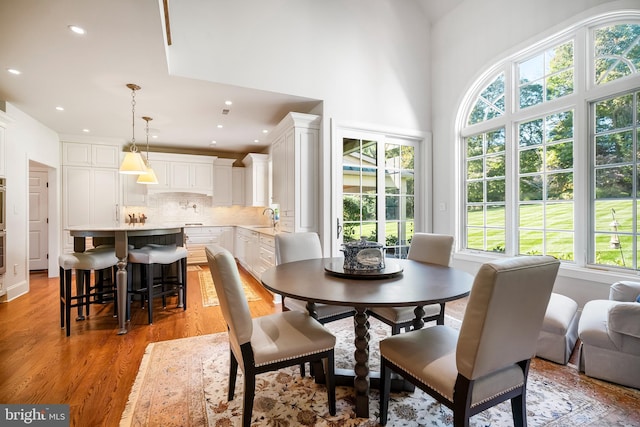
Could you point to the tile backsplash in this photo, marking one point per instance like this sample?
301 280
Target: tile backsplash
165 208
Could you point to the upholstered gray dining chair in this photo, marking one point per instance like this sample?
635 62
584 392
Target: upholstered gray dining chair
487 361
425 247
266 343
292 247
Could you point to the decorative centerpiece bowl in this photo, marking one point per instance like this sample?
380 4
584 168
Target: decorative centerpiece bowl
362 255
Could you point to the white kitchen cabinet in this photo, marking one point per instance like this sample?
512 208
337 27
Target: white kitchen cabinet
85 154
223 182
3 124
197 238
266 255
256 179
90 186
247 248
238 187
193 177
295 171
133 194
90 196
182 173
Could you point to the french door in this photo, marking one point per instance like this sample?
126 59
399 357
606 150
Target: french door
377 190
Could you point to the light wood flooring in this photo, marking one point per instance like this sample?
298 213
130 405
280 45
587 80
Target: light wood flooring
93 369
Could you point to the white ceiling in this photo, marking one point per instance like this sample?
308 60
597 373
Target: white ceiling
87 75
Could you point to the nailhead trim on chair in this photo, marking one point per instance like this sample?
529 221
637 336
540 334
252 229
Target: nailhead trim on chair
297 356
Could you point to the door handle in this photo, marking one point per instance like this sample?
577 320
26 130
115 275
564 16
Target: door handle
338 228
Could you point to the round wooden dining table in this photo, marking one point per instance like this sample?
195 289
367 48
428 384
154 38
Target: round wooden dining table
402 283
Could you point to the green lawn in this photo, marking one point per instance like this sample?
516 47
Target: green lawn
559 237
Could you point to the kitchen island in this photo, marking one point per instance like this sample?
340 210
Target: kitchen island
122 236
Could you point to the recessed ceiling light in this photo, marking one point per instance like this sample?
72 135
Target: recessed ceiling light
154 136
265 131
59 108
86 131
14 71
213 143
219 126
228 102
76 29
256 140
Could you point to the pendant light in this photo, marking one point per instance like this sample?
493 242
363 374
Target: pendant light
133 163
150 176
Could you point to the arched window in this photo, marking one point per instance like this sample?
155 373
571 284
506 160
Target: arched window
551 149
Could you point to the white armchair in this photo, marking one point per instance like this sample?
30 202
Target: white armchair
610 335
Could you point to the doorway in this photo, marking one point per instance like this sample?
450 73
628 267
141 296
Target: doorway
381 189
38 218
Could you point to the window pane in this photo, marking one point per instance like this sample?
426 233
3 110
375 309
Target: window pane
496 190
560 186
559 216
614 148
560 156
407 157
496 215
475 192
531 187
475 169
474 146
559 245
615 250
615 113
496 240
392 182
409 207
475 238
617 52
531 215
495 141
615 182
495 166
546 76
530 133
475 215
613 216
531 242
531 160
490 103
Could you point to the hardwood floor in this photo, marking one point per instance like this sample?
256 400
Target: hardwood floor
93 369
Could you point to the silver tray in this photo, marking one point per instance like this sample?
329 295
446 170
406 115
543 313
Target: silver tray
336 268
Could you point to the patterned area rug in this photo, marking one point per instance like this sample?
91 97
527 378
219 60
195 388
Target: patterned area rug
209 296
184 382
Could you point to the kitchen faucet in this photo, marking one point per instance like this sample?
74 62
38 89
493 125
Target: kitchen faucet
272 215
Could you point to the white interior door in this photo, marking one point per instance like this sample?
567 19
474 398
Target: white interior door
38 220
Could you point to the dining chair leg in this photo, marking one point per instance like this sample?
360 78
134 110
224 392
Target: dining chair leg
385 390
519 410
233 373
249 394
330 381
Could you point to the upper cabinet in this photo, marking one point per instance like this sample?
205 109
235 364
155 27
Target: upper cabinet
96 155
4 120
295 165
182 173
223 182
238 187
256 179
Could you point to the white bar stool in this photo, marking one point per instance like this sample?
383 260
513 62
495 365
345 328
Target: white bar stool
84 263
151 286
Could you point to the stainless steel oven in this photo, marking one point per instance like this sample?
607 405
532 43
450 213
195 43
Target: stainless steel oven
3 226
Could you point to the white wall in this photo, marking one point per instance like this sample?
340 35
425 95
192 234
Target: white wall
465 43
27 139
367 60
